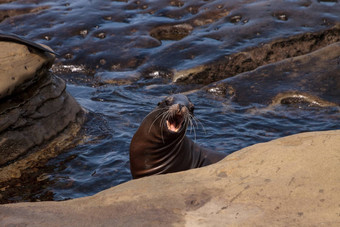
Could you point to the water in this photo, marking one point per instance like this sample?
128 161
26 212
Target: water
116 112
118 73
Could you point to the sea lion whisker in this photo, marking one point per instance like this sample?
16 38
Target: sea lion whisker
153 111
192 126
181 139
190 122
163 122
156 118
184 123
182 127
194 120
178 140
187 121
197 120
164 118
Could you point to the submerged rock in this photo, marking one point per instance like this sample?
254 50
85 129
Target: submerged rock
292 181
35 109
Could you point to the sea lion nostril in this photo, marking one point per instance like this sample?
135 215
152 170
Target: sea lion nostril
180 108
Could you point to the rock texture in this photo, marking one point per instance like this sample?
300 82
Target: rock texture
35 108
312 79
292 181
262 54
19 67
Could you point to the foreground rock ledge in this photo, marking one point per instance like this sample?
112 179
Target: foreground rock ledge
292 181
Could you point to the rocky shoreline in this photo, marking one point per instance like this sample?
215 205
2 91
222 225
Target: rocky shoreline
38 117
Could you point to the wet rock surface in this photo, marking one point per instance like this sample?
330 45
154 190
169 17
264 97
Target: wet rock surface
172 36
251 58
292 181
36 112
312 79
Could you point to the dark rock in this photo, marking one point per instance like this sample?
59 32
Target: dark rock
171 32
250 59
312 79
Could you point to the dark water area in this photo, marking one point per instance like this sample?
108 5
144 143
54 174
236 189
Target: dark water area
120 58
116 112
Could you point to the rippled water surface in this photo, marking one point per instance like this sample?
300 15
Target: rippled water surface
101 42
116 111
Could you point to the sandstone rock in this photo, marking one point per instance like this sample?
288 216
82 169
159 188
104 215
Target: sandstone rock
37 115
30 120
20 66
292 181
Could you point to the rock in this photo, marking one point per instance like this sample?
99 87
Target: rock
168 32
20 66
312 79
253 57
38 118
291 181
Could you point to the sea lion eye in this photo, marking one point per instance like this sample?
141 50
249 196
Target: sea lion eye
168 101
191 107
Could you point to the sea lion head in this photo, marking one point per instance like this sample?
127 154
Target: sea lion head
177 112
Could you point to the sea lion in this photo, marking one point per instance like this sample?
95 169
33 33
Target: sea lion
160 145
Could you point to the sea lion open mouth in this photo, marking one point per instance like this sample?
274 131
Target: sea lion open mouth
174 123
